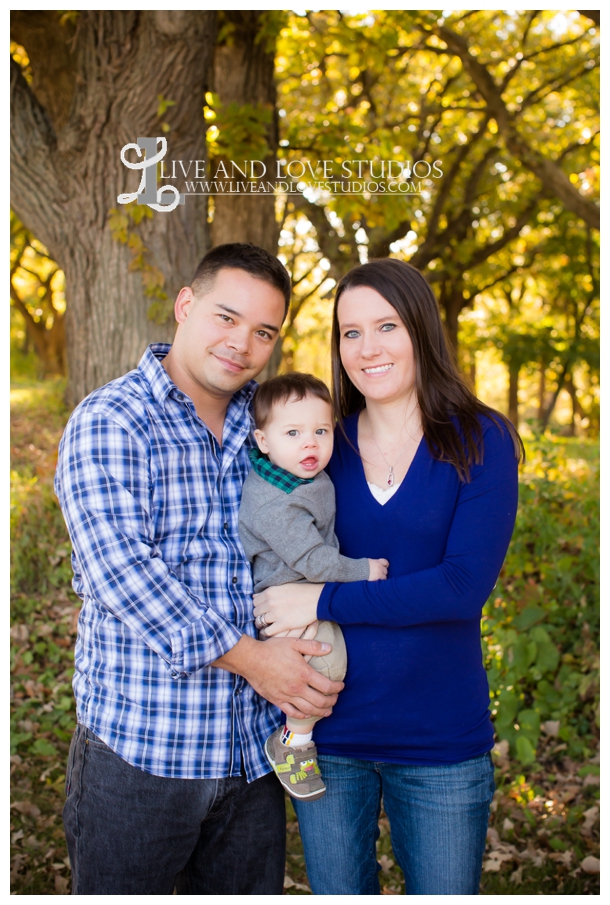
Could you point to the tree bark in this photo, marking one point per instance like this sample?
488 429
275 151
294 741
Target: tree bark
513 392
244 74
542 391
66 171
452 301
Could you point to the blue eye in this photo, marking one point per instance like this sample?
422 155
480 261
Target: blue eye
351 334
321 431
293 433
387 327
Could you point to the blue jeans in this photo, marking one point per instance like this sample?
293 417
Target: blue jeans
131 833
438 822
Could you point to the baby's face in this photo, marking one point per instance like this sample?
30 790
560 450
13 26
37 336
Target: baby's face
299 436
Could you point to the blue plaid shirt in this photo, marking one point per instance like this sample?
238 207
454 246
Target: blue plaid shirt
151 502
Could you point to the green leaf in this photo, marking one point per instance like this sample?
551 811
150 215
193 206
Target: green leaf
43 747
526 753
589 770
529 617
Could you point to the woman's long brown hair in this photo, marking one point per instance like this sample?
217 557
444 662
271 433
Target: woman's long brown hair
444 397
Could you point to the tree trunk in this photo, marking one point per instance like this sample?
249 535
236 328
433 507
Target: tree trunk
513 393
542 391
67 172
244 74
577 410
452 302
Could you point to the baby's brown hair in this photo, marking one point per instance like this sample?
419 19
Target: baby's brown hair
285 387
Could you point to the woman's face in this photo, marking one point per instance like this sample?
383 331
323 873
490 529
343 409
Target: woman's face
375 346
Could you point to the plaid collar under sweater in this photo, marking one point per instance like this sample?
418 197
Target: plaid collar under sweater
273 474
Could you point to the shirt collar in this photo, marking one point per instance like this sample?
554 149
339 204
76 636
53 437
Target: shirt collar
273 474
161 385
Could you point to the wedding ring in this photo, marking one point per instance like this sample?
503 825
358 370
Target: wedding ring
261 622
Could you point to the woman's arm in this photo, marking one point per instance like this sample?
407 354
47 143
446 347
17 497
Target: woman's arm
459 586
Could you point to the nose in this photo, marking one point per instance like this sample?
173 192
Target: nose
370 347
310 442
239 340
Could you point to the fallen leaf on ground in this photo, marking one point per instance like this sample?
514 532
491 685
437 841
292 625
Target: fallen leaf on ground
517 876
551 727
590 815
591 780
27 808
289 883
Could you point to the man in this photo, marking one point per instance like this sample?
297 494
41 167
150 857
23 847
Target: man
167 783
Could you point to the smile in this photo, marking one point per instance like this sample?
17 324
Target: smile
229 364
378 370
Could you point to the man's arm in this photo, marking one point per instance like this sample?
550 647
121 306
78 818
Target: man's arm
277 671
102 483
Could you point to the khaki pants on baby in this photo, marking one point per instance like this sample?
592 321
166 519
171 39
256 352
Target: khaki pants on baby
332 665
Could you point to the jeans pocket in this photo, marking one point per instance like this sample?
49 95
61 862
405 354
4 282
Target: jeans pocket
71 755
93 741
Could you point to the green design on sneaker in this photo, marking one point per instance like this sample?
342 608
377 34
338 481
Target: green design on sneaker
296 767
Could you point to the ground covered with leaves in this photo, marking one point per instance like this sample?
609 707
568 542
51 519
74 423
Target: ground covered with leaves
540 641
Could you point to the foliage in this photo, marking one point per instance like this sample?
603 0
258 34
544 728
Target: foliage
541 628
43 631
540 642
237 131
386 85
37 299
123 225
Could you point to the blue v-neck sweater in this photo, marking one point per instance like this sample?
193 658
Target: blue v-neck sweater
416 691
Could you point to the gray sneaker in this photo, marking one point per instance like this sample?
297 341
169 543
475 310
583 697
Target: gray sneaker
296 767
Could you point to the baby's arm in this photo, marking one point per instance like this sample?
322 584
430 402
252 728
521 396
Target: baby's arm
295 539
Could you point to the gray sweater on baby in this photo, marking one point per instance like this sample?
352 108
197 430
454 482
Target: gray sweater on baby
291 536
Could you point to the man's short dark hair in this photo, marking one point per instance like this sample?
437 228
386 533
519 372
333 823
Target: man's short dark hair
280 389
242 256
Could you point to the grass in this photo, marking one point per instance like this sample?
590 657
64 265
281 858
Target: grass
544 828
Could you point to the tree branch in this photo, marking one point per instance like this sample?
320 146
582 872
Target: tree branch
548 171
592 14
36 194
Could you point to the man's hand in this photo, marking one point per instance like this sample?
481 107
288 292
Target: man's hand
277 671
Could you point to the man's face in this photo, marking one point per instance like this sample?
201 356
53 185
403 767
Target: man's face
226 335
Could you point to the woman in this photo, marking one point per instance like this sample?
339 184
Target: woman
426 477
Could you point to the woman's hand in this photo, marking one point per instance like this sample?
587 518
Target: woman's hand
287 606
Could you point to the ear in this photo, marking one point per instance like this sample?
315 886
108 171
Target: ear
183 303
261 442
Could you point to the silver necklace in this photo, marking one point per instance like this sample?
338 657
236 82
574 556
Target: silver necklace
391 477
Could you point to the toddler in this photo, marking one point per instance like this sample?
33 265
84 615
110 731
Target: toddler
286 525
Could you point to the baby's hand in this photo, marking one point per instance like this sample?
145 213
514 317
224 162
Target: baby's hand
378 569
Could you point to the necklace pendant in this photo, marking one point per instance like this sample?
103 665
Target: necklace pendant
390 481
